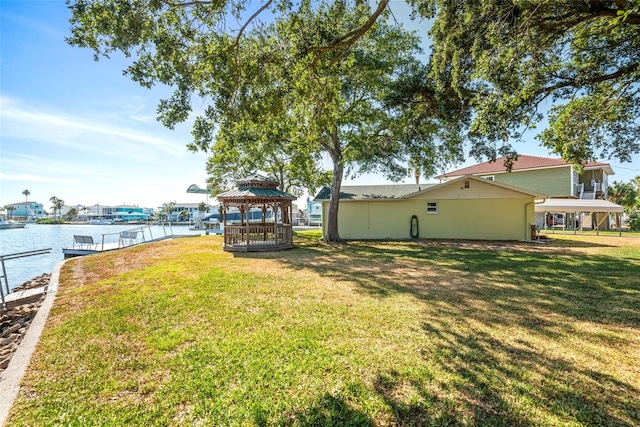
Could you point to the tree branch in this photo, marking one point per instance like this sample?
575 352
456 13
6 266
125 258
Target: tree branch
351 37
590 10
189 3
582 82
251 18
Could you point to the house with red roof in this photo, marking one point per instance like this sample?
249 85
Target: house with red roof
551 176
585 193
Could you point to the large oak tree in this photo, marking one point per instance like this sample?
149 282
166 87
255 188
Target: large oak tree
311 79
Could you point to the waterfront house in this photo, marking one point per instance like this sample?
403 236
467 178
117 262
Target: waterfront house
27 210
129 213
558 179
192 208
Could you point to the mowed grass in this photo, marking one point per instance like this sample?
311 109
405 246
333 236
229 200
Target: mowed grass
369 333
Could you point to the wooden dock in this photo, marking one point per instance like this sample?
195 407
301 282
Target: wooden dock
86 245
106 247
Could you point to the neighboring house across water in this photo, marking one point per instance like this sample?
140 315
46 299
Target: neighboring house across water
129 213
192 208
119 213
27 210
553 177
466 207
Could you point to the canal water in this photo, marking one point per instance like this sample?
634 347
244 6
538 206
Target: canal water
35 237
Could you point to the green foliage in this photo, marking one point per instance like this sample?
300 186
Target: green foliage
50 221
634 222
624 194
72 214
515 59
183 214
166 210
310 82
56 204
9 209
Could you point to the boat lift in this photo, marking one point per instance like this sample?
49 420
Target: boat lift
4 270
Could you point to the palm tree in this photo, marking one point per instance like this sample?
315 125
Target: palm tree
26 194
9 209
167 208
625 194
72 214
202 207
184 214
57 204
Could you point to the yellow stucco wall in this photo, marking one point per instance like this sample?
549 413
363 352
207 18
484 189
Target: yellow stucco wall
467 209
484 219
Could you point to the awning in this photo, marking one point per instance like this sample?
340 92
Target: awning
578 205
195 189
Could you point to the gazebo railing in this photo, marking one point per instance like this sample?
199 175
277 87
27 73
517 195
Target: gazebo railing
258 234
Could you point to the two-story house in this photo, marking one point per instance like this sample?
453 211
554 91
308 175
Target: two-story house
558 180
27 210
553 177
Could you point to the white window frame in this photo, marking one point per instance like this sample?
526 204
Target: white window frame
433 204
490 177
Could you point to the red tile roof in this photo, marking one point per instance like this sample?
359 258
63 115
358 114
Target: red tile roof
524 162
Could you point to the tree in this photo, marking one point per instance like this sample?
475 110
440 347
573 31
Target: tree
166 210
26 194
313 83
202 207
512 59
9 209
72 214
623 193
57 205
184 214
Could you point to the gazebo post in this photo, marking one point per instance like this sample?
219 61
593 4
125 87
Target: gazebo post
247 212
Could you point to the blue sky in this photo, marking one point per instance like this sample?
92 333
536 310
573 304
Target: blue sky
79 130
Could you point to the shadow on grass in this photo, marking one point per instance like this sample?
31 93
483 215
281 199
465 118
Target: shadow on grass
329 411
540 295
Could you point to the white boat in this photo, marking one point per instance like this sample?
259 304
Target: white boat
7 224
101 222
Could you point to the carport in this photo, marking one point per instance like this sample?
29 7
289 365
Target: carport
582 206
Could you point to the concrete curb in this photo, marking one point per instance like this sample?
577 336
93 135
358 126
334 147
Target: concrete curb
12 376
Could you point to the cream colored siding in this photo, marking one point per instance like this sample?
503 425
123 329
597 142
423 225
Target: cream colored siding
484 211
484 219
476 190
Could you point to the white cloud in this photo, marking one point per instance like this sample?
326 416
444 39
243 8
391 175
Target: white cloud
83 133
31 177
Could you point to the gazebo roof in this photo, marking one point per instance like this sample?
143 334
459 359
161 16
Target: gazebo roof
256 186
268 193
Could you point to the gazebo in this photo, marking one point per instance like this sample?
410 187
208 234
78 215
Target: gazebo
257 216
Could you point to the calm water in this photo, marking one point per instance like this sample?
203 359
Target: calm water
56 237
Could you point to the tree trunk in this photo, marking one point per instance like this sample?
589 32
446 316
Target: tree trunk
332 219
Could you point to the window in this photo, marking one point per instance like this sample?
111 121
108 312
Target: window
466 184
432 208
489 178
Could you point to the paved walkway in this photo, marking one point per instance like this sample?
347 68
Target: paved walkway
12 376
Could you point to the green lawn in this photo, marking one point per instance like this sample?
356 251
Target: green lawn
369 333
